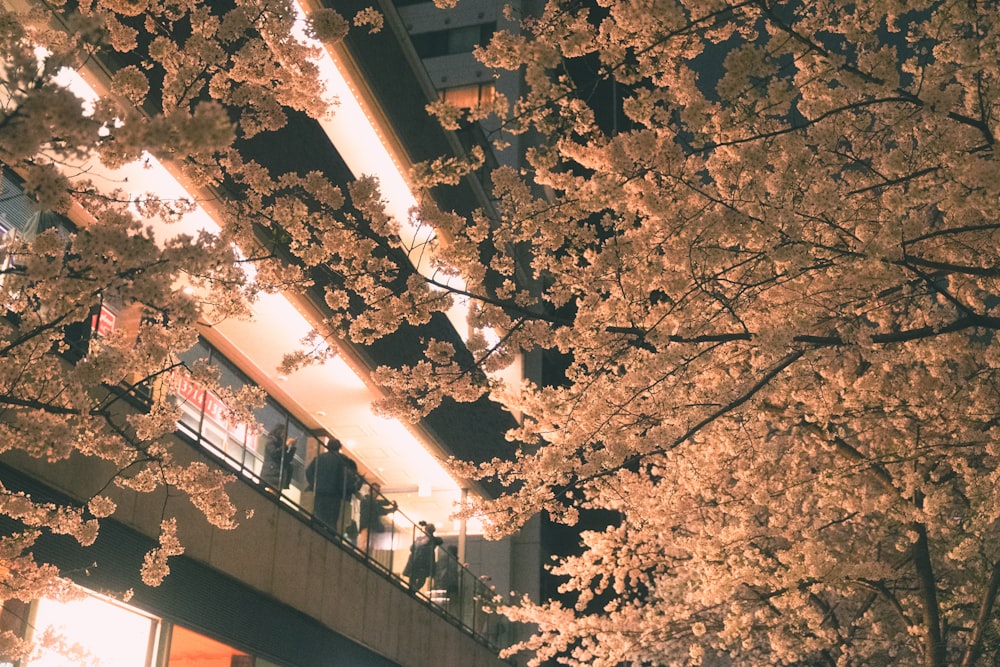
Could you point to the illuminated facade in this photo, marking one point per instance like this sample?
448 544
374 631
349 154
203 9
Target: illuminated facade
289 587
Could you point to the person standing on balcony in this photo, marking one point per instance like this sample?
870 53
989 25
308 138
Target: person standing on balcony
279 457
351 508
420 564
374 506
447 575
325 476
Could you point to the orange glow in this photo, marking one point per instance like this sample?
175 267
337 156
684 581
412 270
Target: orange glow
190 649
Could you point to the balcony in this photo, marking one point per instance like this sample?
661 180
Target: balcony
301 548
368 526
275 588
353 581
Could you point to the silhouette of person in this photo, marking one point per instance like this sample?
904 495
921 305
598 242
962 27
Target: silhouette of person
420 564
325 476
279 457
374 506
446 575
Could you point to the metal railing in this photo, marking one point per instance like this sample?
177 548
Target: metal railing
357 516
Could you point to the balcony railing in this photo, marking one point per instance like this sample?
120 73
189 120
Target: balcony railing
369 525
359 518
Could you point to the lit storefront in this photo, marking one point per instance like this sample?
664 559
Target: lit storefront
95 630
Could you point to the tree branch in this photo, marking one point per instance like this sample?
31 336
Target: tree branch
989 272
795 127
787 361
975 647
895 181
934 646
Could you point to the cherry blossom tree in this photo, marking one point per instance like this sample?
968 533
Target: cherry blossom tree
765 235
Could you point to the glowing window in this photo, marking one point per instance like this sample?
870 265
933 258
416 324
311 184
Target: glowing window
467 97
95 627
190 649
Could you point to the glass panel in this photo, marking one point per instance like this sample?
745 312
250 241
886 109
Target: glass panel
463 40
190 649
467 599
322 482
295 461
234 443
268 419
377 520
485 93
421 559
447 577
430 44
482 601
468 97
102 629
200 350
486 31
325 478
245 446
279 451
213 424
189 396
273 448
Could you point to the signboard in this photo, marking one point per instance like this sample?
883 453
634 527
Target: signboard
211 406
103 322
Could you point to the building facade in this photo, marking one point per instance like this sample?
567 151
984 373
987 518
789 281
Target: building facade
290 586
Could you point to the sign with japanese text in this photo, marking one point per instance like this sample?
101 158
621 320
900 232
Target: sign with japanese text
208 403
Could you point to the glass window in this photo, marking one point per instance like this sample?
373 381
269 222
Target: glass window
463 40
268 418
430 44
467 97
205 415
298 432
235 439
185 392
16 208
94 627
200 350
191 649
454 40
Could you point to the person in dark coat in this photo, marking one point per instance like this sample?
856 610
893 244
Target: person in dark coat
279 457
353 481
374 506
446 574
420 564
325 476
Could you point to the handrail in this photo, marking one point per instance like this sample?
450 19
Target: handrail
370 525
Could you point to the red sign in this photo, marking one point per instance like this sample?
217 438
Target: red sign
211 405
104 321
